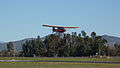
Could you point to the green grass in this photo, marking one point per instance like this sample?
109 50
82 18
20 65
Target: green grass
63 59
55 65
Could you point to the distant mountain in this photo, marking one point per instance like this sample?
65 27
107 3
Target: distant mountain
18 44
111 39
1 42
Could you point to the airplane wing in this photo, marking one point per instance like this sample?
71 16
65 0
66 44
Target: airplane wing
50 26
58 26
70 27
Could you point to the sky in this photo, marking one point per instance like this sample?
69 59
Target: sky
20 19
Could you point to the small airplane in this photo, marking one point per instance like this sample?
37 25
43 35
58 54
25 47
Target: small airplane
58 29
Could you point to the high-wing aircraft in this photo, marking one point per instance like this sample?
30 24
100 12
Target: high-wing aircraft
58 29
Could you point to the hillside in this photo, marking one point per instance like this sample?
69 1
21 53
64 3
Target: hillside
111 40
17 44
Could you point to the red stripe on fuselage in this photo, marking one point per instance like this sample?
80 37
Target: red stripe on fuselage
59 30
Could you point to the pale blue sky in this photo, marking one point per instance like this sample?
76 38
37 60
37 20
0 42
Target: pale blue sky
21 19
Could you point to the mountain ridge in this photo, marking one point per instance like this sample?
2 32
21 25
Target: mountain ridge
18 44
111 40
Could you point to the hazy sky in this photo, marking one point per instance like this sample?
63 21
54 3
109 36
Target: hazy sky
21 19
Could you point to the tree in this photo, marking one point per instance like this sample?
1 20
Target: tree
83 46
97 44
38 46
66 46
93 35
10 49
3 53
63 48
26 49
117 48
51 45
33 47
83 33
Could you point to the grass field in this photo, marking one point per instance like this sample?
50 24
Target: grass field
63 59
57 65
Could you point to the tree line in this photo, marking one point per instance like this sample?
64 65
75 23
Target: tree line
68 45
